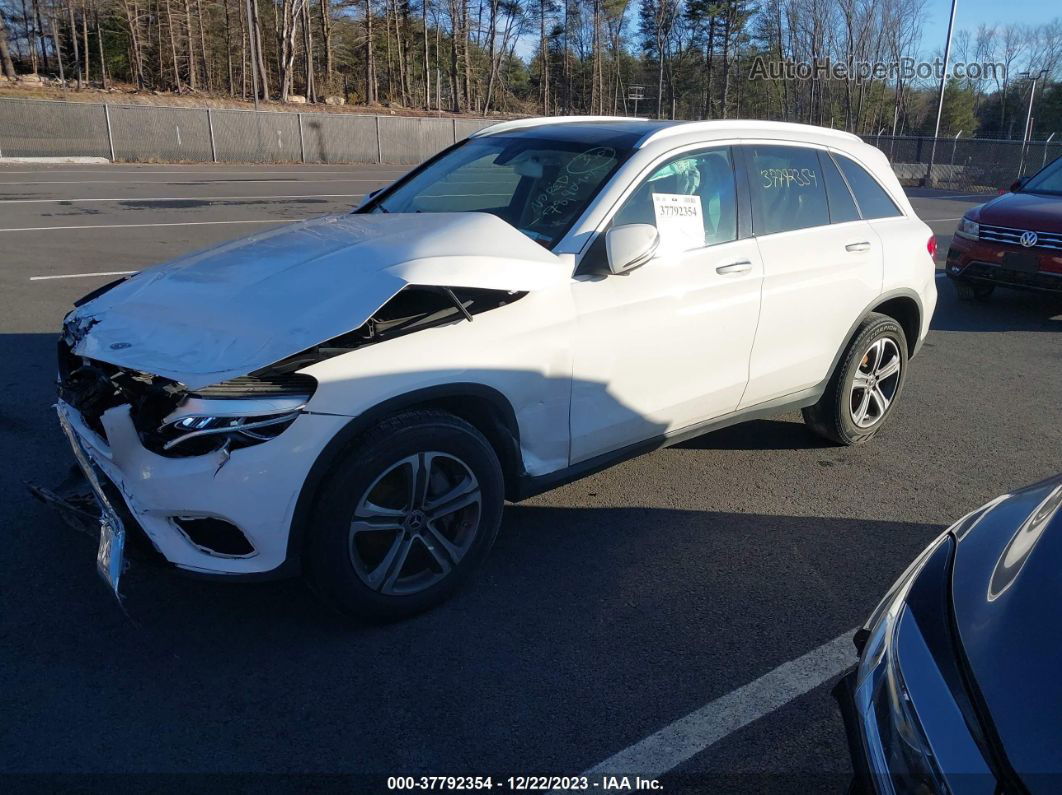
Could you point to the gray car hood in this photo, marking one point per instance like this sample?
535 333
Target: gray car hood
230 310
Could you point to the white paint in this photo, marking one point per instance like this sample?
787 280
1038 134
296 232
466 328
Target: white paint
814 289
686 737
79 275
43 160
941 220
128 226
185 198
628 385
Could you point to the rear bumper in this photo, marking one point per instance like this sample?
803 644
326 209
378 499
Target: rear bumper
983 263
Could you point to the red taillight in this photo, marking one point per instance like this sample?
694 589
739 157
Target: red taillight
931 246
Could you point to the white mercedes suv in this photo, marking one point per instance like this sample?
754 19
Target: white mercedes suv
353 397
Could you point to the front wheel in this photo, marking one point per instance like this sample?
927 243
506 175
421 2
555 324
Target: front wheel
405 516
865 386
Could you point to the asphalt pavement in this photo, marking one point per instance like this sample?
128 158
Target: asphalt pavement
663 598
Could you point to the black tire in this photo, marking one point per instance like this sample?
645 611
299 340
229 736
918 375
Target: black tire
383 463
834 416
967 291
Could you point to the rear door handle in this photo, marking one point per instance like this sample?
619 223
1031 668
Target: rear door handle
741 266
856 247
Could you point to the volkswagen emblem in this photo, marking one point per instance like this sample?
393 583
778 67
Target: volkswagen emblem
1028 239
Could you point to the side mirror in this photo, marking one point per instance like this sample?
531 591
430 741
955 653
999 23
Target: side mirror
630 246
368 197
1017 184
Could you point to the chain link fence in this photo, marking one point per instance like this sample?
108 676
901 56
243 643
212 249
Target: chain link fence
970 165
146 133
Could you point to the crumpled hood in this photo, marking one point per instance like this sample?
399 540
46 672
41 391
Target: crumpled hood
243 305
1006 593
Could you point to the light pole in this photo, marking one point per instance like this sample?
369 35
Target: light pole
1027 134
940 100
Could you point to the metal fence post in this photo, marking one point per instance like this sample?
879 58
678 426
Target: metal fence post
379 145
455 129
110 135
210 128
302 141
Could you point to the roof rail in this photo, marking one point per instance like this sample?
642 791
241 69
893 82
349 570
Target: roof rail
538 121
680 128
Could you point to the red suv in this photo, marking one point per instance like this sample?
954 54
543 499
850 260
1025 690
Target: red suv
1012 241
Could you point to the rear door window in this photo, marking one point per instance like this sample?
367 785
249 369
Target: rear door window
873 201
787 189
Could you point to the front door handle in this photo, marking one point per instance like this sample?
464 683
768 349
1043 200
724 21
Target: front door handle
863 245
742 266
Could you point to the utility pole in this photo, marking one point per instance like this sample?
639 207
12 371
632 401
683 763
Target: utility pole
1027 134
940 101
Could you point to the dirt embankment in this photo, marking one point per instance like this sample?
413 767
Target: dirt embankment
33 87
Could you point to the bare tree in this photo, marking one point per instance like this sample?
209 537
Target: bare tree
5 52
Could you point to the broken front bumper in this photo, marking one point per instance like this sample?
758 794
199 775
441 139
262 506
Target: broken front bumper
252 489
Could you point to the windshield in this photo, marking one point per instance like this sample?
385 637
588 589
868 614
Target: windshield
539 186
1049 180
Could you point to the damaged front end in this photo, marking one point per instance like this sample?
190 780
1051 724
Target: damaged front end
174 469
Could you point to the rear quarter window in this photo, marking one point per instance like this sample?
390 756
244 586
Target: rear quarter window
873 201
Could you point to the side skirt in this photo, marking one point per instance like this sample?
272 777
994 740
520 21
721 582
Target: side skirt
530 486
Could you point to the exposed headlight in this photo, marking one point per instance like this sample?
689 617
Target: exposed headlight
971 230
202 426
897 748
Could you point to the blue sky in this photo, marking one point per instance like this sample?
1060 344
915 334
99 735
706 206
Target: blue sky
969 16
972 13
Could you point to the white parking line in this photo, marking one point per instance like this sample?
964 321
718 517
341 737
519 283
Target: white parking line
79 275
184 198
178 170
941 220
685 738
955 196
129 226
169 182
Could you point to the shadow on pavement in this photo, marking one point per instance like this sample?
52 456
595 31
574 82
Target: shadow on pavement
1005 310
758 435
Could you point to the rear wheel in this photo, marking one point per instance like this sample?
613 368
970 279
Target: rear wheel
405 517
968 291
865 385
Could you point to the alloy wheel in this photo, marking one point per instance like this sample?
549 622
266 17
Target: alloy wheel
875 383
414 523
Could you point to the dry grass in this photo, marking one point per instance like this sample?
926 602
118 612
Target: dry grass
123 94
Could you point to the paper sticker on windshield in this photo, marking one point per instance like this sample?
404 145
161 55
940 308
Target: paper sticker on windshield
679 219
